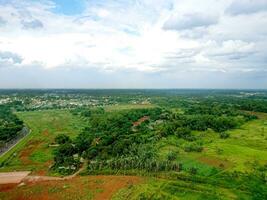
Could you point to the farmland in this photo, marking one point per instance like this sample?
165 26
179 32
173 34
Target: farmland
151 144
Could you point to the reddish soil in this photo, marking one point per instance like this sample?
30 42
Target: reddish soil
141 120
113 184
51 188
26 152
7 187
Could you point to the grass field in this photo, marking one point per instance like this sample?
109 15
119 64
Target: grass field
245 147
176 190
33 152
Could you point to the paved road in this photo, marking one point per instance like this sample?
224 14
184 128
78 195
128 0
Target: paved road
24 132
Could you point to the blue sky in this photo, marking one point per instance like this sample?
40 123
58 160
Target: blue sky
69 7
133 44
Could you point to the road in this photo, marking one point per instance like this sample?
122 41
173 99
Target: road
15 142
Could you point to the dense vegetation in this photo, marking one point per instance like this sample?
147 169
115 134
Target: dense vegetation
10 125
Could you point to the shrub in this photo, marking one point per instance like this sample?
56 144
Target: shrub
171 156
224 135
193 147
62 139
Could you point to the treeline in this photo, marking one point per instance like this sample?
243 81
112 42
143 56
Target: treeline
253 105
10 125
131 163
200 117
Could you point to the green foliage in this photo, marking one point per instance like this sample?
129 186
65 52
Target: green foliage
65 162
10 125
62 139
193 147
224 135
111 134
171 156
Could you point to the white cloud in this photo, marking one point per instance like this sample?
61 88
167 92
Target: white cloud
247 7
189 21
32 24
147 36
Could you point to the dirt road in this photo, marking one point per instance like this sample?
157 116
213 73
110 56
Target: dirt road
13 177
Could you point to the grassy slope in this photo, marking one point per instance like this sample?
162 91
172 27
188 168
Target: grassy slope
33 152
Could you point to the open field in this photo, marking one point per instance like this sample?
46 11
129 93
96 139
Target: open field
245 147
176 190
33 152
115 187
88 187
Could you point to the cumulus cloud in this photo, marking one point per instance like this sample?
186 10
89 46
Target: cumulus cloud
15 58
246 7
156 37
234 49
2 21
32 24
8 59
189 21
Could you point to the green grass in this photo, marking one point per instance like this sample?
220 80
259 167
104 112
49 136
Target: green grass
33 152
176 190
246 146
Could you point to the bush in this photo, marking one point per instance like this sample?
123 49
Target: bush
193 170
62 139
171 156
183 132
224 135
193 147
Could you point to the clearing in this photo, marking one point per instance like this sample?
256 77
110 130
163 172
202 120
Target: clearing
33 153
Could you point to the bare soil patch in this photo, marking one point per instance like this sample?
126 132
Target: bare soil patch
26 152
113 184
13 177
140 121
79 187
215 162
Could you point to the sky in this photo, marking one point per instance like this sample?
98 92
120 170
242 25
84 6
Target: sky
133 44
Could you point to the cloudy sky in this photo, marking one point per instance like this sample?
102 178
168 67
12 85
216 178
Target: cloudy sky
133 44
